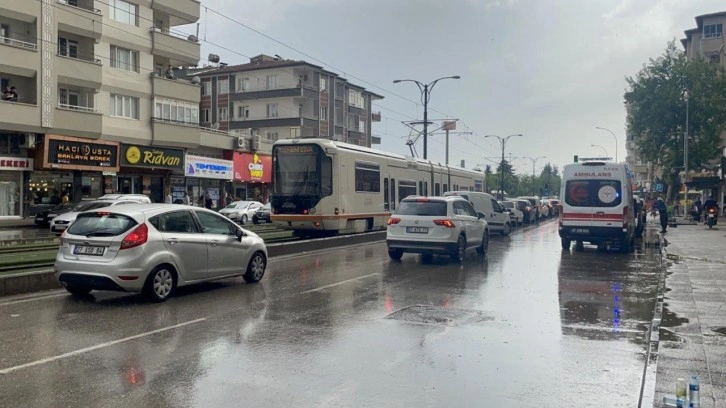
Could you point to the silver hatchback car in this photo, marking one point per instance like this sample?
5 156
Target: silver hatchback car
155 248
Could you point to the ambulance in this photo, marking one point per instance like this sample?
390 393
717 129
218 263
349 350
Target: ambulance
597 205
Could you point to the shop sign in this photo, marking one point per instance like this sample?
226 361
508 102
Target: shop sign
207 167
252 167
142 156
15 163
77 154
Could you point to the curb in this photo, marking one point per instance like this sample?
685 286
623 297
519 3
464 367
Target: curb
14 284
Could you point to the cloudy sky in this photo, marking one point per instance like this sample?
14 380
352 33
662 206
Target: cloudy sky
550 70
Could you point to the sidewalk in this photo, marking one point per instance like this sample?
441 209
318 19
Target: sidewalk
17 223
693 327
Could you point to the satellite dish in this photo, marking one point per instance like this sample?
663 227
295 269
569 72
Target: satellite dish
196 80
215 125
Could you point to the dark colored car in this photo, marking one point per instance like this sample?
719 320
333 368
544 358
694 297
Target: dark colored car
43 217
262 215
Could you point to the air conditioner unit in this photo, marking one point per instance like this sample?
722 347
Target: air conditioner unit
243 142
29 141
256 140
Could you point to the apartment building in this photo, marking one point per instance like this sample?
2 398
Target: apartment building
707 40
97 108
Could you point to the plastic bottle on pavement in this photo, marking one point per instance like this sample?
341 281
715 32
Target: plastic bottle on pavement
681 393
694 391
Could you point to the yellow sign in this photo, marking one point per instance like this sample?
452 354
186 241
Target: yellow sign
256 168
133 155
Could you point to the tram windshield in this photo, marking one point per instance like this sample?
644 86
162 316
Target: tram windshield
301 170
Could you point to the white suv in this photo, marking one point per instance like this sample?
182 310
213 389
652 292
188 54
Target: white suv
436 225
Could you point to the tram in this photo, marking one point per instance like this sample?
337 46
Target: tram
321 186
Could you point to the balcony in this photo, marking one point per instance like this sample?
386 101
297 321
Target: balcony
180 11
20 117
181 51
178 89
262 93
79 20
80 72
175 134
78 120
27 11
19 57
218 139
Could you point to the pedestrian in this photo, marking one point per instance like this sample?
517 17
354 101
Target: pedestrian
660 206
10 94
186 198
677 208
170 73
169 199
208 203
698 206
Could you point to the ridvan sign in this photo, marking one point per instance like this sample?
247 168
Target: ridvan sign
156 157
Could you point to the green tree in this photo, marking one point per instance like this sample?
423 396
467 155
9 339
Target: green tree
656 104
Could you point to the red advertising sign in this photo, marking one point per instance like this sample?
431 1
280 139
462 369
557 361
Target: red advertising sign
15 163
252 167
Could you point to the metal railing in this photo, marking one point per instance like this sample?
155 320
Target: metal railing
165 31
17 43
81 58
66 106
90 10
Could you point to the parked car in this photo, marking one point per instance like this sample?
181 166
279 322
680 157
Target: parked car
497 218
436 225
262 215
536 204
43 217
516 215
527 209
137 198
154 249
241 211
61 222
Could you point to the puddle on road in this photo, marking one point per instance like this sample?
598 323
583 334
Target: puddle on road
670 319
428 314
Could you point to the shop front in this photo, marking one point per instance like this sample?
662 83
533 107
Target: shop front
146 170
13 171
252 176
71 169
206 179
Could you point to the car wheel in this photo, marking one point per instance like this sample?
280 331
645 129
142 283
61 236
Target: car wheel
484 247
160 284
458 255
566 244
78 291
507 229
427 258
256 268
243 219
255 220
395 254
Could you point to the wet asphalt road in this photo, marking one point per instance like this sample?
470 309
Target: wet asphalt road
527 326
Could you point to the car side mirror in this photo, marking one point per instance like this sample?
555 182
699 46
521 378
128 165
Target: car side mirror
482 215
240 234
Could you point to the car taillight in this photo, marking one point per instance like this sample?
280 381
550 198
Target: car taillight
559 213
712 210
393 221
445 223
137 237
626 210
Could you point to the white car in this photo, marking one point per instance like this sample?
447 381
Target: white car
515 213
436 225
61 222
241 211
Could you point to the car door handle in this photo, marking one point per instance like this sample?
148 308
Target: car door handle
215 243
172 241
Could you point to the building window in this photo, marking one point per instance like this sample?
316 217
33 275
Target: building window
176 111
323 83
205 116
714 58
243 112
323 113
294 132
124 12
243 84
272 136
222 114
68 98
272 82
206 88
712 31
224 86
125 59
123 106
67 48
355 98
271 110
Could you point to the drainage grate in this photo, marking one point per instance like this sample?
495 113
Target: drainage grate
719 330
429 314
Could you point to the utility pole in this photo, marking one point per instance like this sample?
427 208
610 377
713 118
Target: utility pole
534 162
503 143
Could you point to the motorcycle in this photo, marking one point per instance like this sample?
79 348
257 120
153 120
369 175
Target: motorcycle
711 217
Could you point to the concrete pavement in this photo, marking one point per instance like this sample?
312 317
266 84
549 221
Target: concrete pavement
692 335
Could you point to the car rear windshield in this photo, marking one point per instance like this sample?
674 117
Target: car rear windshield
507 204
422 208
101 224
593 193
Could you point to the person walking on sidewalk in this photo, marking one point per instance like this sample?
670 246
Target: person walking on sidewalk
662 213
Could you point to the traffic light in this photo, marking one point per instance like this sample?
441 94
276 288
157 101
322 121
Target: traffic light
575 159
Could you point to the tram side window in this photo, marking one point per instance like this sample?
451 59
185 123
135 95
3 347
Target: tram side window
426 188
393 194
406 188
386 203
437 189
446 188
420 187
367 177
326 176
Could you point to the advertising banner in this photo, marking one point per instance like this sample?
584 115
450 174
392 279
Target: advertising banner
207 167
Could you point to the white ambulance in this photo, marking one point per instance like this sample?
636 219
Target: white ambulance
597 205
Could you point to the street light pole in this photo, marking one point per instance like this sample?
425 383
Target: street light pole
685 158
603 149
503 142
534 162
616 140
426 90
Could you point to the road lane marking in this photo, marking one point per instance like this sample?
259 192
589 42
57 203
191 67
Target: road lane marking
32 299
98 346
340 283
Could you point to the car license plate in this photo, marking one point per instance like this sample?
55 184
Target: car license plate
88 250
580 230
417 230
